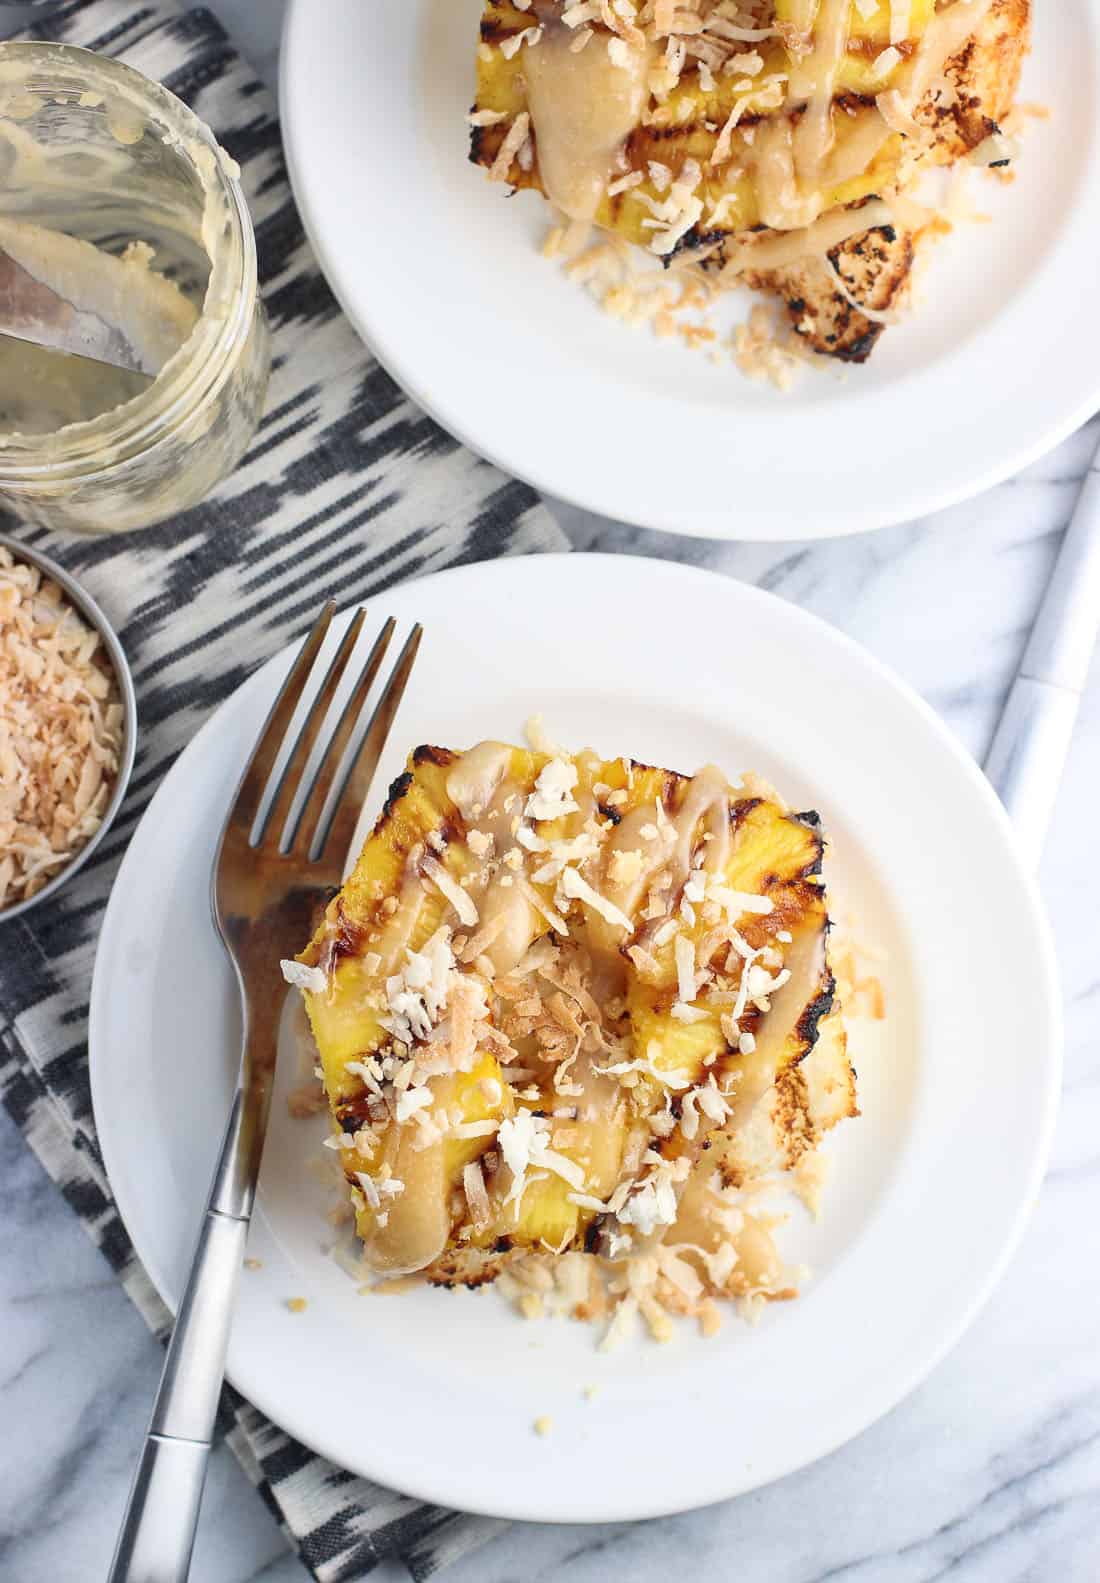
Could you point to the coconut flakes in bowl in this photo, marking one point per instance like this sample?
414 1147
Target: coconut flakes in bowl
61 730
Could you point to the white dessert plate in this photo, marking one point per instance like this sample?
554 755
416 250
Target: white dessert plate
436 1392
442 276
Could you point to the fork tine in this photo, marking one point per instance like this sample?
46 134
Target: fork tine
306 829
246 805
291 778
353 792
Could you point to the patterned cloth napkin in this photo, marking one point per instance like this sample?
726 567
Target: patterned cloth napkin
346 489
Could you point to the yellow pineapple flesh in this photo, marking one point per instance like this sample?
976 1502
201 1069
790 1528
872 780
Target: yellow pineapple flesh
537 959
686 121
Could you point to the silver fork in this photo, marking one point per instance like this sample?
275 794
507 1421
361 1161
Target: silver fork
270 879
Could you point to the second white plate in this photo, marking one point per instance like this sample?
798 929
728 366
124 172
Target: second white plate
436 1392
443 278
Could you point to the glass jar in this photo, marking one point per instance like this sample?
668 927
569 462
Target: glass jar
115 191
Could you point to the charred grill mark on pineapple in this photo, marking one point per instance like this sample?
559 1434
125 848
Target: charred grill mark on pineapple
812 823
740 810
673 791
485 144
985 76
397 790
345 936
495 30
470 1268
813 867
871 245
812 1016
973 124
875 268
848 102
668 143
696 241
849 342
353 1113
442 758
476 155
655 769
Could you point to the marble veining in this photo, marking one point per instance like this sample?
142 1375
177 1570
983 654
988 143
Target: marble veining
989 1473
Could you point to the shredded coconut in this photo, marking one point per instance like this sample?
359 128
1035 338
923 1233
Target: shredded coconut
449 887
416 996
301 976
577 888
61 730
551 797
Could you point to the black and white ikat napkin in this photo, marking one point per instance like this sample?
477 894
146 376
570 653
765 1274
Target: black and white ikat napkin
346 489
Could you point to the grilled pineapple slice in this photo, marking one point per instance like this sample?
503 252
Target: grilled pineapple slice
684 125
729 147
535 961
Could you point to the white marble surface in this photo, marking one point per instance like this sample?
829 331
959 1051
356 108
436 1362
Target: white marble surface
990 1472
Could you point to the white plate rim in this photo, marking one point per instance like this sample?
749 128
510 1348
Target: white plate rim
436 1485
914 496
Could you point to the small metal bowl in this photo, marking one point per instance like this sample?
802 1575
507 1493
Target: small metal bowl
86 605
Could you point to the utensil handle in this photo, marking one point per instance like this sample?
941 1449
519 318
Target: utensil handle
158 1529
1028 755
1029 748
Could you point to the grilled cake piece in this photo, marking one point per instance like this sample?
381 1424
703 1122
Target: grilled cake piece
768 138
560 996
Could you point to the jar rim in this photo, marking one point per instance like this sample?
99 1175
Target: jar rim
81 451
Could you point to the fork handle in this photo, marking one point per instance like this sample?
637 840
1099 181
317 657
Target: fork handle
1030 745
158 1529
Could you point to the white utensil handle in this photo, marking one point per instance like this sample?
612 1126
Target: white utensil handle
1029 748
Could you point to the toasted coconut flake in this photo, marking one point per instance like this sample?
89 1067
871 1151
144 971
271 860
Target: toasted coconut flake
451 889
540 740
684 952
551 797
577 888
473 1184
621 1326
514 140
61 730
